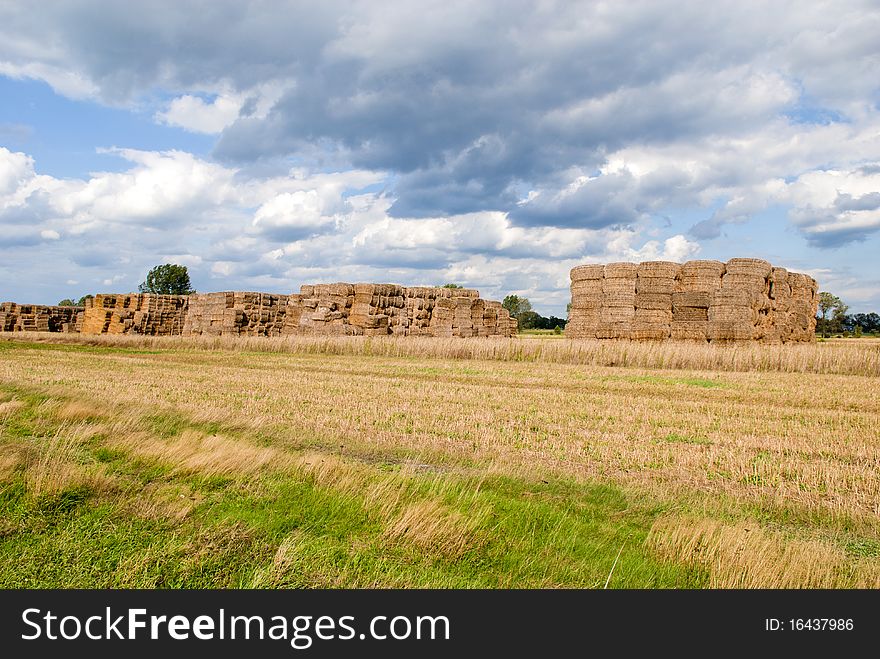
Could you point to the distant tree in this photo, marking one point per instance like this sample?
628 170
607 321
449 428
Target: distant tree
839 317
66 302
168 279
451 286
516 305
830 303
82 301
868 322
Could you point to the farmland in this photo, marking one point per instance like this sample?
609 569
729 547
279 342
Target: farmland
350 462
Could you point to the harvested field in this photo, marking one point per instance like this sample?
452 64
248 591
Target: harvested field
350 461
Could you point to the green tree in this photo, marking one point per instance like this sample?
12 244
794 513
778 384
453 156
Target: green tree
82 301
66 302
451 286
168 279
516 305
829 302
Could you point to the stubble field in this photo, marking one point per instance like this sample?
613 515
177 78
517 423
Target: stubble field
137 462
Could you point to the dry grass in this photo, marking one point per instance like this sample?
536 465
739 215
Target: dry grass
194 451
54 466
789 436
854 357
748 556
433 527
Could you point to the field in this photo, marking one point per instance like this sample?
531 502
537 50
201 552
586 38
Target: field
539 462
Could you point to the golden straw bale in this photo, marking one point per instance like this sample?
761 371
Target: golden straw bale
621 270
653 301
752 267
659 269
697 299
587 272
665 285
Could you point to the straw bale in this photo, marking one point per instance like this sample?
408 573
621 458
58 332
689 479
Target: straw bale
619 300
653 301
613 330
696 299
659 269
616 314
750 267
652 333
655 316
586 286
702 269
690 313
728 314
691 283
587 272
745 282
736 297
731 331
665 285
621 270
618 285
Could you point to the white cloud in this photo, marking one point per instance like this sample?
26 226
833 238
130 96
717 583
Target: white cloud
50 234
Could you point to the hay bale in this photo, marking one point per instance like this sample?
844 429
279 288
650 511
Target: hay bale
750 267
649 333
745 282
730 314
586 287
621 270
609 329
654 316
656 285
612 285
587 272
658 269
653 301
690 314
689 330
695 299
722 331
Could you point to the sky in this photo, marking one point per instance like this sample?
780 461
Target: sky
493 144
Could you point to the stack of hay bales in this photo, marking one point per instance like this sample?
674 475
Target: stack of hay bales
134 313
799 316
235 313
586 301
37 318
737 308
8 316
694 290
655 285
320 309
742 300
383 309
618 301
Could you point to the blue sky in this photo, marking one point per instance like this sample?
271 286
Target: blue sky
496 146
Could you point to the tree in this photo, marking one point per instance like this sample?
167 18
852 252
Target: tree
830 303
451 286
168 279
516 305
82 301
66 302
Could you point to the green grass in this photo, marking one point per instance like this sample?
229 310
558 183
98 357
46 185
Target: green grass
522 533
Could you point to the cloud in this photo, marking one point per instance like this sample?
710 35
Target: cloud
467 105
835 207
441 140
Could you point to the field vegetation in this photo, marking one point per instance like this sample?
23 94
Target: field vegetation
324 462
